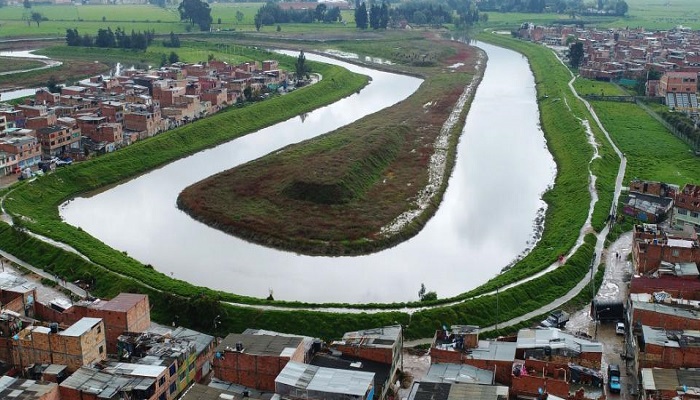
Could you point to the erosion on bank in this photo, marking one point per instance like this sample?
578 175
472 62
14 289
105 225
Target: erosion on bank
333 194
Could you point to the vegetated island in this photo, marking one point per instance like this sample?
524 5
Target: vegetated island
362 188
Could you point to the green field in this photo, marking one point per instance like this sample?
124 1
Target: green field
13 64
653 153
90 18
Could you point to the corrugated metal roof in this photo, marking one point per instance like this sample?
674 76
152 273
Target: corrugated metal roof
664 309
462 391
328 380
79 328
458 373
492 350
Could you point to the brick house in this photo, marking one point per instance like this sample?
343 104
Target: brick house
643 311
686 210
109 132
661 348
255 360
128 312
651 246
678 82
88 124
83 343
461 345
56 140
26 148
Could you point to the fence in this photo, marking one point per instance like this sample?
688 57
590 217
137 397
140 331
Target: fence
690 141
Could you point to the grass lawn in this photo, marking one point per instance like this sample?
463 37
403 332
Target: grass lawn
653 153
591 87
14 64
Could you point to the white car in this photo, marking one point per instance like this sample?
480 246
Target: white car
620 328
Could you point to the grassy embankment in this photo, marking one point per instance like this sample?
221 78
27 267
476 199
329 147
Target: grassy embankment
332 194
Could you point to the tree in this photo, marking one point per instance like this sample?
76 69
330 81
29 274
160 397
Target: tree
384 16
621 7
173 57
239 16
361 16
27 4
374 12
72 37
320 13
37 17
576 54
258 22
163 59
197 12
300 66
421 291
52 85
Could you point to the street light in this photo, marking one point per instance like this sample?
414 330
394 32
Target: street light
597 313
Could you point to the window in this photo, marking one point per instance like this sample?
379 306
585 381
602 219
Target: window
102 349
161 382
172 370
162 396
694 214
182 376
675 252
99 328
173 387
682 211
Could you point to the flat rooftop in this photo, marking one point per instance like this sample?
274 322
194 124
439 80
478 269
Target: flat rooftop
122 303
262 345
81 327
556 339
384 337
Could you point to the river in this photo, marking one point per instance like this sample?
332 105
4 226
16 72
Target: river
486 220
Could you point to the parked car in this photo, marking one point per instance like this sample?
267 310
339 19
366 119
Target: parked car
614 378
557 319
620 328
61 163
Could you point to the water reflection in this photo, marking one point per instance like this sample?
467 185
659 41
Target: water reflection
484 222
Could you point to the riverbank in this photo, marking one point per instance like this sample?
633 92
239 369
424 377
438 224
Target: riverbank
334 195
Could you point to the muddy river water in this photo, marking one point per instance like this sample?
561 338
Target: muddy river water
487 218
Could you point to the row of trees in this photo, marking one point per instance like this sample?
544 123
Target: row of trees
271 13
106 38
378 17
572 7
423 12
